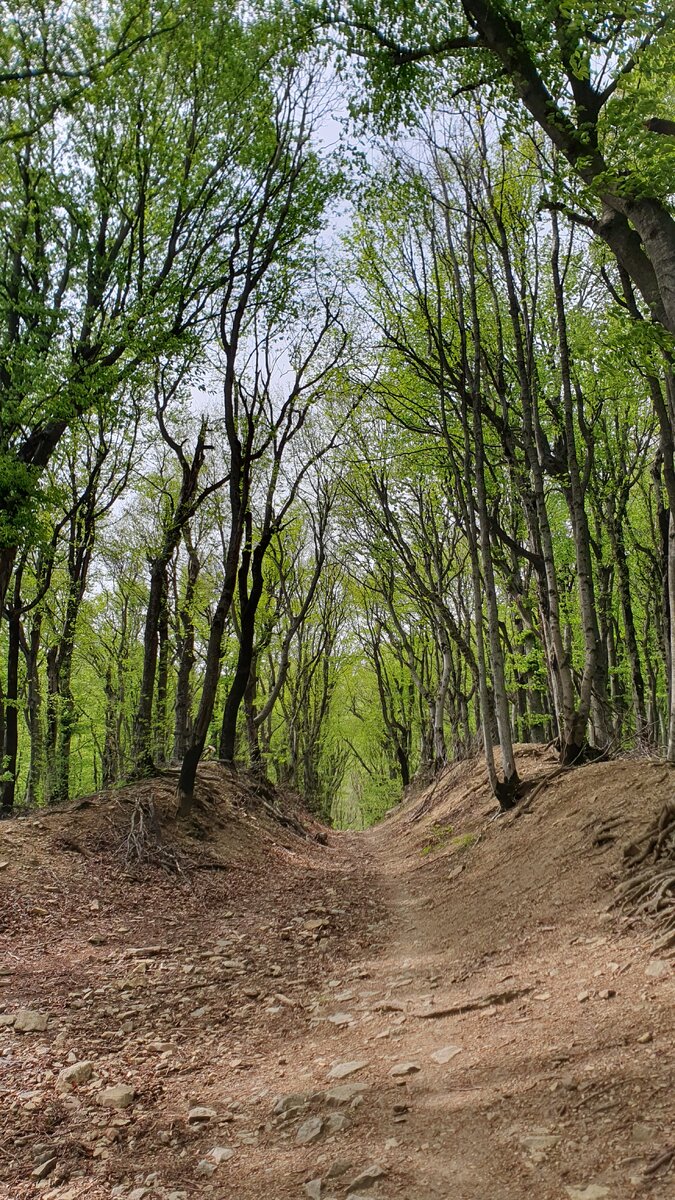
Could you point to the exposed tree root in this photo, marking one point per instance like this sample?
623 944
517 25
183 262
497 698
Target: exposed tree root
649 891
143 842
426 804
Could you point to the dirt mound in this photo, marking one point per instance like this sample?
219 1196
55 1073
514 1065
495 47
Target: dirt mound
169 972
560 852
235 818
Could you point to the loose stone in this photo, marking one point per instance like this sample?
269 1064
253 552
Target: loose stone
201 1113
405 1068
309 1131
445 1054
342 1070
367 1178
221 1154
28 1021
344 1093
336 1122
120 1096
288 1103
71 1076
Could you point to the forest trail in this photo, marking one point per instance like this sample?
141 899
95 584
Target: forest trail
280 1023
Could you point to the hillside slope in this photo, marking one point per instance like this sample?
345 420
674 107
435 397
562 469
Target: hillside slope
552 859
491 1028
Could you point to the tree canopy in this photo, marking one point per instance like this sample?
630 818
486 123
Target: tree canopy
341 454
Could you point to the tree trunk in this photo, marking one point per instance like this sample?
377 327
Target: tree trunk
440 751
591 680
536 707
193 753
61 790
110 767
66 702
557 658
145 731
403 764
246 641
639 231
427 725
143 757
183 706
35 781
626 602
162 679
11 746
507 789
52 716
670 747
252 736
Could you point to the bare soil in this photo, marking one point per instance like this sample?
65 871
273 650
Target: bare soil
210 979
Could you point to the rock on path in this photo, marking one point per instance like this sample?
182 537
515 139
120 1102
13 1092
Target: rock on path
342 1070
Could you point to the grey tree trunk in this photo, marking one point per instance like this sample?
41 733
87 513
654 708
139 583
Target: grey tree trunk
592 689
670 746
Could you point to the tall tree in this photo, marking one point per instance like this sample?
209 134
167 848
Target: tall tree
591 79
289 188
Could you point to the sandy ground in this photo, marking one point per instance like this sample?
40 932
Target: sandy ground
491 1029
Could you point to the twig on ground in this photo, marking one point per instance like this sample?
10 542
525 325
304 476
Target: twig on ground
661 1160
495 998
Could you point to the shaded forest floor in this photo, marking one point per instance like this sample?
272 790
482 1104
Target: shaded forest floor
440 1007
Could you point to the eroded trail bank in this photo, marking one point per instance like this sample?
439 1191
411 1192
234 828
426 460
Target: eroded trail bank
441 1007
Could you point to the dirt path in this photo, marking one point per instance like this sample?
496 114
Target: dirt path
544 1087
256 997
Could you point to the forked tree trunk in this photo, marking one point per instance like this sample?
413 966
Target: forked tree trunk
193 753
239 491
145 729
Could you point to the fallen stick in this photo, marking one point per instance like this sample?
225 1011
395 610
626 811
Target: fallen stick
661 1161
495 998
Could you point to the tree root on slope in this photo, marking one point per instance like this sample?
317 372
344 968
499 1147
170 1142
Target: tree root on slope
649 891
143 841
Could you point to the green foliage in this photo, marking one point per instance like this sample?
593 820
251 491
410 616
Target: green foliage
18 490
442 839
165 188
440 836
